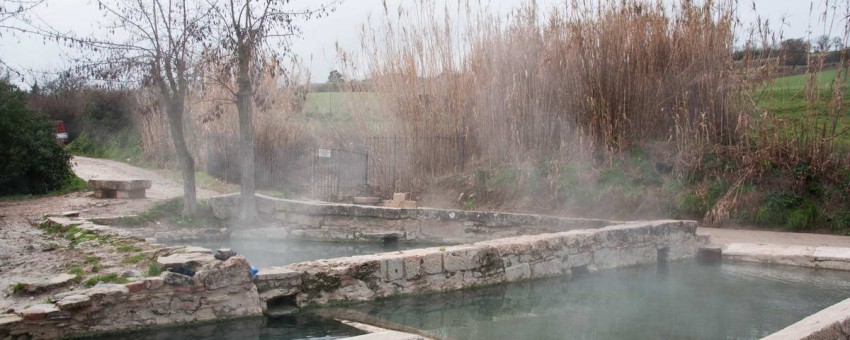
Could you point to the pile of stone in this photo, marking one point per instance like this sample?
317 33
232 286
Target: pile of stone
400 201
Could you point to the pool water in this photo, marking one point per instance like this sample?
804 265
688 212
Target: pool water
680 301
265 253
684 300
295 327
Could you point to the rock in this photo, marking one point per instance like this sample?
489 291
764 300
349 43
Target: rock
188 259
180 280
135 287
106 293
39 312
74 302
9 319
233 271
44 285
277 273
154 283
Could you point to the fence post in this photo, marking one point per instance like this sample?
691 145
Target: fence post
312 154
336 165
366 173
461 136
395 162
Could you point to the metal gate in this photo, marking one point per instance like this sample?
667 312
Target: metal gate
317 173
338 174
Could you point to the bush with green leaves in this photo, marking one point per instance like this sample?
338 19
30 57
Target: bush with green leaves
33 162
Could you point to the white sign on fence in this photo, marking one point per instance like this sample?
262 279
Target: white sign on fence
324 153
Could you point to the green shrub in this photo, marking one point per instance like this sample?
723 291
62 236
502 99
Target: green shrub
33 162
787 209
154 269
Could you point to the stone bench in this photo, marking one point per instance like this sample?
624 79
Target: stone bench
119 188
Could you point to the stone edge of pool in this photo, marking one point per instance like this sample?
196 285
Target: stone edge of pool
224 289
369 277
322 221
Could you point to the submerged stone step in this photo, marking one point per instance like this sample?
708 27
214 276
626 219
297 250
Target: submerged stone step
388 335
806 256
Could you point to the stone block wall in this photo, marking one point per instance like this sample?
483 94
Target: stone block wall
363 278
219 290
316 221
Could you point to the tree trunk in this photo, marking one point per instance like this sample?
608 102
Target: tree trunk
244 104
187 163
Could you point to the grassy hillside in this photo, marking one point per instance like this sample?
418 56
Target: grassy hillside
338 105
787 99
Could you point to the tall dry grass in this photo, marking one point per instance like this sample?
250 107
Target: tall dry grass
596 78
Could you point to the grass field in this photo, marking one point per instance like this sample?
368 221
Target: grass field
799 82
338 105
786 98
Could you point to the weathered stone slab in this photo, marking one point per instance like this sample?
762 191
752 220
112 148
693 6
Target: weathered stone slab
114 184
6 320
39 312
45 284
277 273
770 253
832 254
132 189
191 260
74 302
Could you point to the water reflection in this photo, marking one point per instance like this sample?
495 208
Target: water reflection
679 301
264 253
302 326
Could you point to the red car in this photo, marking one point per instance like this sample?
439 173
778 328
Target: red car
61 134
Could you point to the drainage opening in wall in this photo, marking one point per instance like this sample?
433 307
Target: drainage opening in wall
281 306
391 241
662 257
580 270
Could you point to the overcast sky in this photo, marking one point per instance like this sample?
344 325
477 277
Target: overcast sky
316 46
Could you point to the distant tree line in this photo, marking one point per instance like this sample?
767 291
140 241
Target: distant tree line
795 52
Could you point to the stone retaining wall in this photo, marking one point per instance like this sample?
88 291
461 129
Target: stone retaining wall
363 278
318 221
219 290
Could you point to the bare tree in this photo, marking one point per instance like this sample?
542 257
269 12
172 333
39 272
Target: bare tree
13 14
838 43
14 19
252 36
823 44
156 43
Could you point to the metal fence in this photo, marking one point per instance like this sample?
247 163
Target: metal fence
377 166
326 174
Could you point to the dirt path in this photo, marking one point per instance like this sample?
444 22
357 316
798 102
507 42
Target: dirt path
161 187
726 236
24 250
